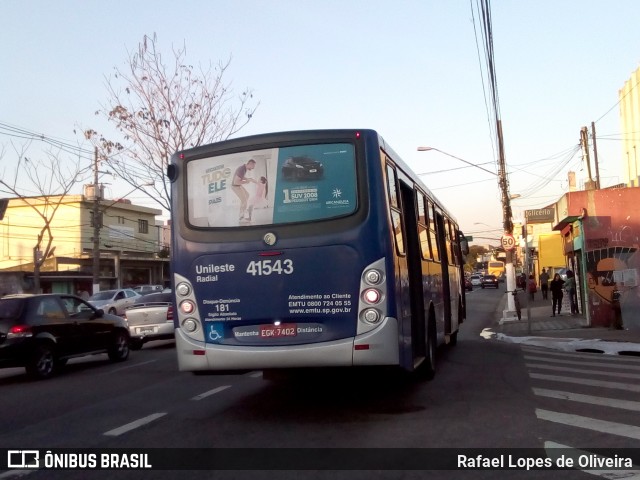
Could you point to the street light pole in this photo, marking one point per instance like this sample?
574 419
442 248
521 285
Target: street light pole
507 225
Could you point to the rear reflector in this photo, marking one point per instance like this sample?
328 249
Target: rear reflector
361 347
199 352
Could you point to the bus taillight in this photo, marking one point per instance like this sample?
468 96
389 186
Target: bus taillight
190 325
183 289
372 296
371 315
187 306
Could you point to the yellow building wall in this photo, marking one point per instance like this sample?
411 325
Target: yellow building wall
630 124
72 229
21 226
551 250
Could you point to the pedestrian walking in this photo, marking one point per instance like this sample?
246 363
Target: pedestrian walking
556 286
544 284
570 287
532 287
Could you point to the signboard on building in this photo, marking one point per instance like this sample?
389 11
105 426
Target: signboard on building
541 215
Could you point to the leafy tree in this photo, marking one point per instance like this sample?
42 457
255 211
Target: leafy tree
474 252
161 108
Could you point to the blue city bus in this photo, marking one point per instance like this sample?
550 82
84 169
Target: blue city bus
310 249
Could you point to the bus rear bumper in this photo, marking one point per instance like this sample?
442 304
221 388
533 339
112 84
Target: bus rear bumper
377 347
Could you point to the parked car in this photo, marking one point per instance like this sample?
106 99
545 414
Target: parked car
468 286
490 281
114 301
144 289
302 168
42 332
476 280
150 318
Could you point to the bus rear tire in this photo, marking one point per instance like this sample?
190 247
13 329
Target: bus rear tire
427 369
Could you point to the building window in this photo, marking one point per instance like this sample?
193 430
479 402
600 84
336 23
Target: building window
143 226
120 220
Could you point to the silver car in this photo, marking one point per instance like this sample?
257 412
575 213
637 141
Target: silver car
150 318
114 302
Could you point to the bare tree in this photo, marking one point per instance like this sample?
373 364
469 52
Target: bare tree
51 180
160 109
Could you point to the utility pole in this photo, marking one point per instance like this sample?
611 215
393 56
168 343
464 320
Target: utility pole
584 141
595 154
507 222
97 223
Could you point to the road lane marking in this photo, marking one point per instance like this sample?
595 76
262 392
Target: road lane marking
579 370
135 424
16 473
211 392
129 366
603 426
584 381
590 399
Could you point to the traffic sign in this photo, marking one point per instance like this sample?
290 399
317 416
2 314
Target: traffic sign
508 242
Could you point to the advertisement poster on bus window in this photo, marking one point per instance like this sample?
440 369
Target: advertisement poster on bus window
272 186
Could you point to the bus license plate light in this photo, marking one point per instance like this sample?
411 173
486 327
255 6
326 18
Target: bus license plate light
276 331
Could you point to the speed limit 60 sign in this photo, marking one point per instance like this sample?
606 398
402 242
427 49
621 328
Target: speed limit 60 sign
508 242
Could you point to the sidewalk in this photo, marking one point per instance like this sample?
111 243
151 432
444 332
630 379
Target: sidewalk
569 330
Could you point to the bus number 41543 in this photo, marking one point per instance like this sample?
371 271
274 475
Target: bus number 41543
268 267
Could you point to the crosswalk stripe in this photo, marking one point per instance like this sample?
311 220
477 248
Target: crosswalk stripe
590 399
579 421
586 381
583 364
587 372
586 356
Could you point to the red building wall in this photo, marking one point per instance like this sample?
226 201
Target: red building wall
611 233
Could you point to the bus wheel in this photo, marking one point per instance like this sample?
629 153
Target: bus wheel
427 369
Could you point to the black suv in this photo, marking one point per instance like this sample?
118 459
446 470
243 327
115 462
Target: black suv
41 332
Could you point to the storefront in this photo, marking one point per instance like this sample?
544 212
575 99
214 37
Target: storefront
601 231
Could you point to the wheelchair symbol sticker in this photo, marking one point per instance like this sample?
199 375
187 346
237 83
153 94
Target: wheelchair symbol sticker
214 334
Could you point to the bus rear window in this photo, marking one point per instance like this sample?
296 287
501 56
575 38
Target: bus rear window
272 186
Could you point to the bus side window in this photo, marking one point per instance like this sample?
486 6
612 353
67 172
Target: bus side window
392 187
396 215
423 230
450 242
433 233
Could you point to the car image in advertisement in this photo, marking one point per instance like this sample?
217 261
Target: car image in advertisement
272 186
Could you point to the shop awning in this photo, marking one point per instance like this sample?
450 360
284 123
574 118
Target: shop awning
565 222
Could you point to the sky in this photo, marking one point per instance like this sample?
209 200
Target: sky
413 70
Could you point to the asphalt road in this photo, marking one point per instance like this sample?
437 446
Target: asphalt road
486 394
